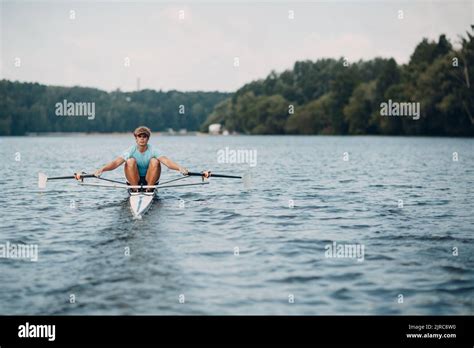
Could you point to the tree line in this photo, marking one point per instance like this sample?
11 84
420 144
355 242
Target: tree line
327 96
332 96
32 107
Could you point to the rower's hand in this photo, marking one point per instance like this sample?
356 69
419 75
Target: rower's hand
206 174
98 173
78 176
183 170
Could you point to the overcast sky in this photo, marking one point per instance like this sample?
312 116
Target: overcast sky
199 51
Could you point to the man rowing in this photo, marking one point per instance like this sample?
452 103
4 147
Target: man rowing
142 162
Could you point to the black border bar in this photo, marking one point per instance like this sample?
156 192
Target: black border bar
287 330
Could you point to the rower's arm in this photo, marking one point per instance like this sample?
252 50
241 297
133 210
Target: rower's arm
112 165
169 163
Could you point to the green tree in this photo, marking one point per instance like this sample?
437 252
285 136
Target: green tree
358 111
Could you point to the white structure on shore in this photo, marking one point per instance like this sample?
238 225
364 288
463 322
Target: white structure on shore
214 129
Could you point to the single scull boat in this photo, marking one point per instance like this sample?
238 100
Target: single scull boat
141 197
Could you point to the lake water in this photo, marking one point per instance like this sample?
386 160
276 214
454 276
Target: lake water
227 248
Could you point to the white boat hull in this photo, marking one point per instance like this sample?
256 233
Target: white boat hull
140 202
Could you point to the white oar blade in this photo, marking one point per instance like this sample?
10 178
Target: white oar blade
247 180
42 178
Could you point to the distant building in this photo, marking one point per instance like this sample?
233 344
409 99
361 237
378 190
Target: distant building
214 128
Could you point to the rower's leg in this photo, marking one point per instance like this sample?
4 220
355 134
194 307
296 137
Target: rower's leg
154 171
131 172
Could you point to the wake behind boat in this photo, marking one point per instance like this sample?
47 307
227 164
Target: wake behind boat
141 197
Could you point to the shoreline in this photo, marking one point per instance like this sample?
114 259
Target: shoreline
201 134
70 134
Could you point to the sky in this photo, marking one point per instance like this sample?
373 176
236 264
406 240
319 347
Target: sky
195 45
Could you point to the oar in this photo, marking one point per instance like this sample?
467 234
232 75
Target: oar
43 178
215 175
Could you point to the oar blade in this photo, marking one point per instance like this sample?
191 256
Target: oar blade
247 179
42 179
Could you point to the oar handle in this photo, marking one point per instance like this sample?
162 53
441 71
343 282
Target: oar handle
212 175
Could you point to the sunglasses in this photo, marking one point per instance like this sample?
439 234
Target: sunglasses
142 136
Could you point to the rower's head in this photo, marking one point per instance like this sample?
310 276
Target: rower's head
142 134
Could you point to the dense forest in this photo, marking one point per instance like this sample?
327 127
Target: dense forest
31 107
336 97
328 96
